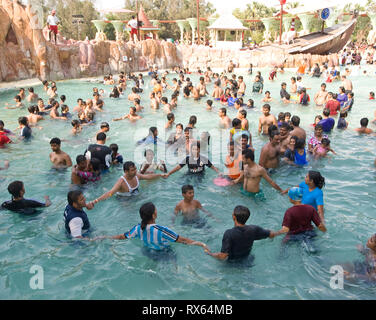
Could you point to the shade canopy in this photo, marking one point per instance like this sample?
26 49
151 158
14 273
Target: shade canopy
227 22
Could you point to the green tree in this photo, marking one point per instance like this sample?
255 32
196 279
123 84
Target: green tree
64 11
170 10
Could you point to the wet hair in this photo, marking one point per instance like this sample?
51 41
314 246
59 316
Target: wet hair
326 112
187 129
127 165
23 121
209 102
164 99
319 126
64 107
193 120
73 196
137 101
244 136
15 188
243 113
325 141
223 110
343 114
170 116
186 188
236 122
281 116
33 109
266 106
105 125
18 98
285 125
251 102
63 98
31 89
95 163
317 178
80 158
241 214
114 147
101 136
179 125
283 84
248 154
55 141
364 122
273 133
287 114
146 213
133 109
153 130
295 120
299 143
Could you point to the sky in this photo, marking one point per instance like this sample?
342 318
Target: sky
221 5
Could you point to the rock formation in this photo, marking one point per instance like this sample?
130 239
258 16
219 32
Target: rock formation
26 53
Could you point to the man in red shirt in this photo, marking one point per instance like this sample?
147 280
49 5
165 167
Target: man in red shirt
333 105
298 218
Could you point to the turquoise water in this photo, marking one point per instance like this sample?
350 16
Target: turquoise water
118 269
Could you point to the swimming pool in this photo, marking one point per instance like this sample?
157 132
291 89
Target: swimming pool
118 269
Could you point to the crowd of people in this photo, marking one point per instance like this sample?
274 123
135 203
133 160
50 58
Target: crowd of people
289 144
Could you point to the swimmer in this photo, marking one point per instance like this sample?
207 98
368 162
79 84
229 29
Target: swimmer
77 127
128 184
321 97
201 88
91 173
117 158
252 175
154 102
296 130
148 227
59 158
284 135
134 95
189 207
267 97
33 116
242 86
166 106
269 157
32 97
137 105
149 165
322 149
209 105
132 115
170 121
242 116
218 91
363 127
233 161
19 105
19 203
81 165
266 120
97 102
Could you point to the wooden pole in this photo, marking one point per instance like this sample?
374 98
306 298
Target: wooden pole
198 21
280 26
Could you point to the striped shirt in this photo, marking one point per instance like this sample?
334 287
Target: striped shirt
154 236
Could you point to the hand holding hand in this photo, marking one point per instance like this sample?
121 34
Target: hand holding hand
90 205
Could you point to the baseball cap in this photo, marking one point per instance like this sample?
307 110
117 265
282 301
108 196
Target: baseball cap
296 194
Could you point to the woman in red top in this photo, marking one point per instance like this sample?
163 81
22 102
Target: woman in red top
225 96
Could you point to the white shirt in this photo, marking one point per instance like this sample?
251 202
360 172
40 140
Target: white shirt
52 20
133 23
75 226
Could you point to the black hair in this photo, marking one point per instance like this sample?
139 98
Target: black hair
170 116
95 163
23 121
244 136
326 112
101 136
325 141
164 99
248 154
146 213
209 102
236 122
18 98
364 122
55 141
193 120
31 89
273 133
137 101
266 106
241 214
243 112
63 97
251 102
299 143
223 110
186 188
105 125
15 188
73 196
295 120
281 116
114 147
317 178
80 158
127 165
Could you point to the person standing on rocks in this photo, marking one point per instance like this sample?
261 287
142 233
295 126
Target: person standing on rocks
52 22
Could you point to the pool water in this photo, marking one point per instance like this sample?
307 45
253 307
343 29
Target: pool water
119 270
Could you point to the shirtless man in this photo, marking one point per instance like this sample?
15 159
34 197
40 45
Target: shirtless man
253 173
166 106
230 67
269 157
321 97
132 115
128 184
189 207
297 131
154 103
267 120
137 105
225 121
347 84
33 116
97 102
134 95
32 97
363 127
284 137
267 97
242 86
242 116
294 86
59 158
18 105
218 91
201 87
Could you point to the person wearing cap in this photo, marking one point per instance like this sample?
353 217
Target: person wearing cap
298 218
52 22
